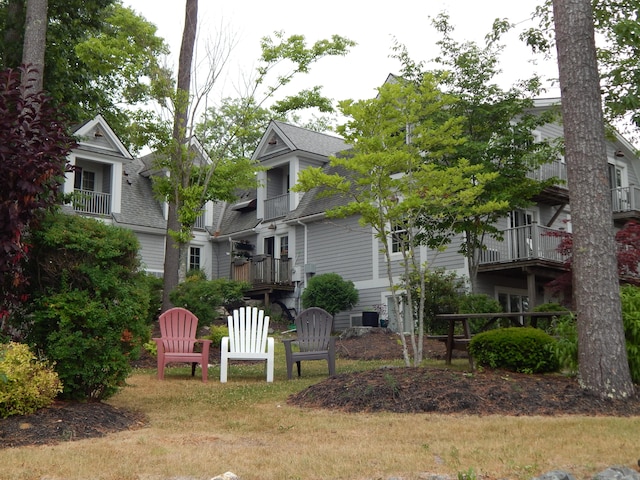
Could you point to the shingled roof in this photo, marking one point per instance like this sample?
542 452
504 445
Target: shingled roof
294 139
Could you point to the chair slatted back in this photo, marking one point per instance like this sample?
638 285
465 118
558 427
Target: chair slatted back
178 328
248 330
313 329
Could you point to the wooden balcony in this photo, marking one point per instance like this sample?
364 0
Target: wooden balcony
264 272
530 243
96 203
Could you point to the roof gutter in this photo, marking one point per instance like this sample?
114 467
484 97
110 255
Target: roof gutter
307 219
228 236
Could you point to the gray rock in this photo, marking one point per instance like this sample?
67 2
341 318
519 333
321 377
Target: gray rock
617 473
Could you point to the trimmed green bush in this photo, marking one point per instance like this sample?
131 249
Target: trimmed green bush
204 297
90 308
520 349
330 292
26 384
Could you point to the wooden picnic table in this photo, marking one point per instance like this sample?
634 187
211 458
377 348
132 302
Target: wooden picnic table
461 341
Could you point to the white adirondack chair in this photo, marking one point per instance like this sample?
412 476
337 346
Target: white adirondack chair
248 340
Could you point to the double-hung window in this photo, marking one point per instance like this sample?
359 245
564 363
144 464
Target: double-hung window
194 258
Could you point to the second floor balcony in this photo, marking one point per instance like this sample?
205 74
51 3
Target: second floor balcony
276 207
529 242
263 270
88 201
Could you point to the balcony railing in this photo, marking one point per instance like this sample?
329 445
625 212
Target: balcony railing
523 243
554 169
276 207
199 223
263 270
625 199
87 201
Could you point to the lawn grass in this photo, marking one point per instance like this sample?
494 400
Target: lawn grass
245 426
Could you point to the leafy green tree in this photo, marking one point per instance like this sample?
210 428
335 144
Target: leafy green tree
89 312
98 59
191 183
33 150
330 292
497 125
616 25
392 179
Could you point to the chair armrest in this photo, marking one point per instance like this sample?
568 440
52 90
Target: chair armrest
159 343
332 345
288 342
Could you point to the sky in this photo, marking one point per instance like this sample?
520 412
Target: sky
373 25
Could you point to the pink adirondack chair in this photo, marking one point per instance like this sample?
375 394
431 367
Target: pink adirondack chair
248 340
178 329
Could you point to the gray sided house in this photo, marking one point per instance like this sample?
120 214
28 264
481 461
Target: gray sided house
277 239
110 185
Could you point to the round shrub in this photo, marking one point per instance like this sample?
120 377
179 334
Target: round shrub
90 303
330 292
205 297
217 332
26 384
520 349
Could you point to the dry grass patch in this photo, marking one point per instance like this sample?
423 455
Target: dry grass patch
246 426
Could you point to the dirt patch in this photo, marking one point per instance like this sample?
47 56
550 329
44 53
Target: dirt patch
395 389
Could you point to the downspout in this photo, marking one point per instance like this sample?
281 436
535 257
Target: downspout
304 275
230 258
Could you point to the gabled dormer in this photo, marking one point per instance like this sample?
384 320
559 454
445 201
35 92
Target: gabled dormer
283 152
98 163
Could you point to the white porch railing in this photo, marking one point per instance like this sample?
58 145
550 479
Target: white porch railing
199 223
276 207
523 243
553 169
624 199
87 201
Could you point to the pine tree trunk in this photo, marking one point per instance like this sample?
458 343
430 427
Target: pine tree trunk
35 40
603 365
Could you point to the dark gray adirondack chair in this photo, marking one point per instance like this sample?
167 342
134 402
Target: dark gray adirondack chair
314 340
